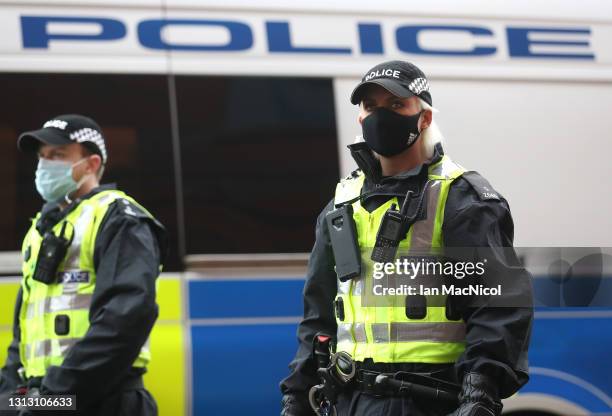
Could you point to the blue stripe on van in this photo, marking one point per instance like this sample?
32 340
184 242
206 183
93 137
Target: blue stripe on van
575 346
237 369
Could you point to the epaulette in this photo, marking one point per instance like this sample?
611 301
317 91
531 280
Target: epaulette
482 187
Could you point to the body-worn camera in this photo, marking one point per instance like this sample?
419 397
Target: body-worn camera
343 235
52 251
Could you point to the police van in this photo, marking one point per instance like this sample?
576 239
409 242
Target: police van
229 120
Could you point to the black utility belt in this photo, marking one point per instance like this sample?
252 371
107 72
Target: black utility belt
131 382
338 372
397 384
444 371
365 381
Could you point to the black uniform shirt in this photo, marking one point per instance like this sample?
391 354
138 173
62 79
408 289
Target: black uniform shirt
496 338
129 249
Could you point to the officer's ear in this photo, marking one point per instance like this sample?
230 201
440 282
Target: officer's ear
94 163
425 119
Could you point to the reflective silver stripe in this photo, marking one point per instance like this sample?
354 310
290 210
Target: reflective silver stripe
60 303
422 231
70 288
427 331
50 347
80 226
380 333
110 197
358 283
35 309
445 168
28 351
437 170
352 333
42 348
344 333
65 344
344 287
67 302
359 332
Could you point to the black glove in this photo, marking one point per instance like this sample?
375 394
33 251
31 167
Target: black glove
479 397
296 405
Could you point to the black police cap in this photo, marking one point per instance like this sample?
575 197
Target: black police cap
400 78
66 129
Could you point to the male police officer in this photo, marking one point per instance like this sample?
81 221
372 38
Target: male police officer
86 305
480 347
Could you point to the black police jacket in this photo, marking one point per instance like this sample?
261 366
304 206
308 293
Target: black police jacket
129 249
497 339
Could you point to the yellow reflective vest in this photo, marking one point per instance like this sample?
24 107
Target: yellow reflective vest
385 333
70 297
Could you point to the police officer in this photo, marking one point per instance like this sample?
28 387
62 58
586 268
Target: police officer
480 349
91 258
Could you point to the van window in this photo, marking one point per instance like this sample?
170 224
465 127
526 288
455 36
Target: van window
259 161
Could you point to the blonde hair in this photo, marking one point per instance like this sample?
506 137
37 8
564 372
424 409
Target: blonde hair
432 134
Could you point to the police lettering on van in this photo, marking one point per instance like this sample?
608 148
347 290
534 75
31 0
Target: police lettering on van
39 31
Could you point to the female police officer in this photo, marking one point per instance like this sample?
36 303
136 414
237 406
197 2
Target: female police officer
481 348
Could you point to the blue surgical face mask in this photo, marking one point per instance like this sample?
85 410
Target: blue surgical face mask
54 179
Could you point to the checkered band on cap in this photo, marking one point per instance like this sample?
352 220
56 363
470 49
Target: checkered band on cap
90 135
418 86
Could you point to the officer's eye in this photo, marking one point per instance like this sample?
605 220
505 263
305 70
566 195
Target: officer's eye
397 104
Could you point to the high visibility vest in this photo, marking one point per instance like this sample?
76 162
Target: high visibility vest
40 345
386 333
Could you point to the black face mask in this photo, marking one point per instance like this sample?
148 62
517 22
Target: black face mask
389 133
